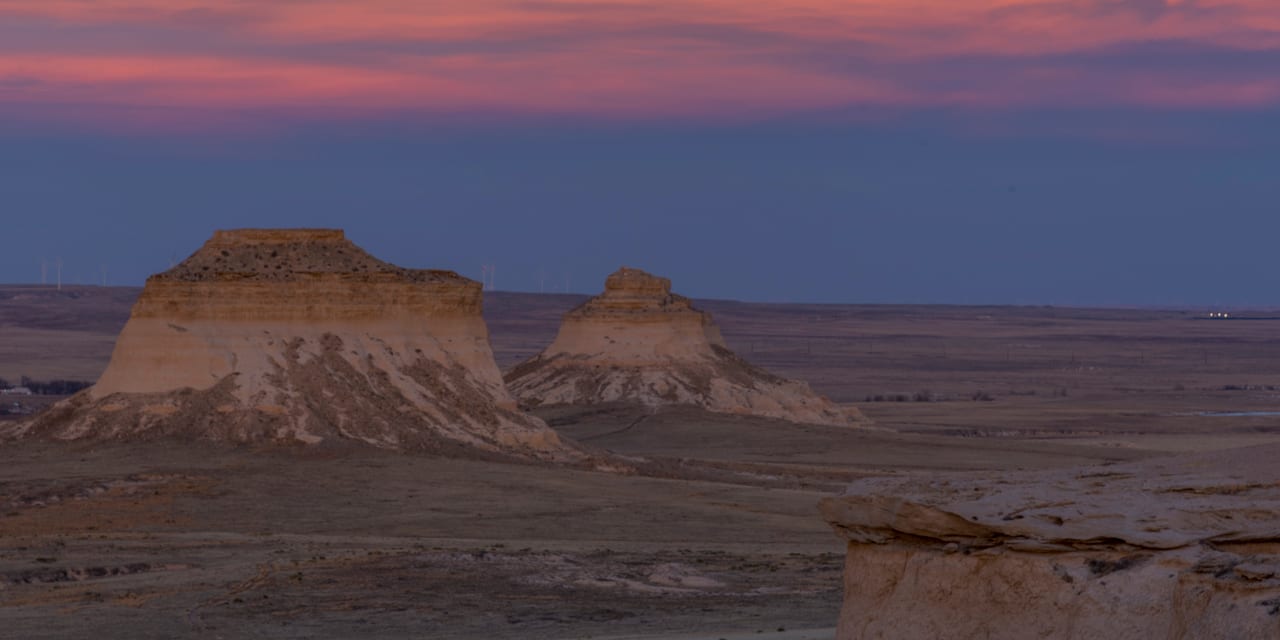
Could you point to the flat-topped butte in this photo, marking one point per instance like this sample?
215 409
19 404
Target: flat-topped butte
298 336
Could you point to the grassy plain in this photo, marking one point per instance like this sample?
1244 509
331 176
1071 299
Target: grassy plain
720 541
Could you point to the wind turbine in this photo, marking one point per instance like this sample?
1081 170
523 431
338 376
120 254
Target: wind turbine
44 272
59 263
486 277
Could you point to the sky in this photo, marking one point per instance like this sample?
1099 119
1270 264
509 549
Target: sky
1071 152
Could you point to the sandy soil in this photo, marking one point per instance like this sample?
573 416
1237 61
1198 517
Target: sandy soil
164 541
720 540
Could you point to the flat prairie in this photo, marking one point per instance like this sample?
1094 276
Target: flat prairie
716 537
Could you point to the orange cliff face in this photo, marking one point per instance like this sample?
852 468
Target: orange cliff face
192 324
639 343
301 336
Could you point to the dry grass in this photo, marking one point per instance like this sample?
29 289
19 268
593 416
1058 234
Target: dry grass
368 544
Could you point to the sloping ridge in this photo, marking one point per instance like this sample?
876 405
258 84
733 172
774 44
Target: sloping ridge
299 336
639 343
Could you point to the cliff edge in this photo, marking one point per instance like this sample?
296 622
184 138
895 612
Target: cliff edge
1178 548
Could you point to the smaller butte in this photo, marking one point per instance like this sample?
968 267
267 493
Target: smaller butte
638 343
298 336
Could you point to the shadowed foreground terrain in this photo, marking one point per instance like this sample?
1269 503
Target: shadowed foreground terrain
720 538
165 541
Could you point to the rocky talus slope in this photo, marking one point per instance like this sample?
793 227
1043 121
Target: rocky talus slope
1184 548
299 336
639 343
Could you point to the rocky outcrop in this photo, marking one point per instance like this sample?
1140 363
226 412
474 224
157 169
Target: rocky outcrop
639 343
1183 548
299 336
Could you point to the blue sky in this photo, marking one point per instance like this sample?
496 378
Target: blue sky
1114 153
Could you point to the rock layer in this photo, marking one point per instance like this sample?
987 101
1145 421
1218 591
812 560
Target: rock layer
1181 548
300 336
639 343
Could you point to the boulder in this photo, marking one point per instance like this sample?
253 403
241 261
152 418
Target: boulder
1183 548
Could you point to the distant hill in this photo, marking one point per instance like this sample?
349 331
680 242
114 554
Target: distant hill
78 308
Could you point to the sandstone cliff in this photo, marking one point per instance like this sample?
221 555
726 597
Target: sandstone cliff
1182 548
299 336
639 343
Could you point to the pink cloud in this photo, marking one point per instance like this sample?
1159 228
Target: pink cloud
628 59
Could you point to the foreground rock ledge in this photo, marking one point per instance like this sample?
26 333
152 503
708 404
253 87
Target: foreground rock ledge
638 343
1176 548
298 336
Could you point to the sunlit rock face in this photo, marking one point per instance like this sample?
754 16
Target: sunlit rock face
639 343
300 336
1183 548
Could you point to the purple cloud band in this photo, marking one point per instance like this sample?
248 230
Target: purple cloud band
629 60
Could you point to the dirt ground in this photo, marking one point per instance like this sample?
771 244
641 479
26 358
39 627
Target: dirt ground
180 541
720 540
